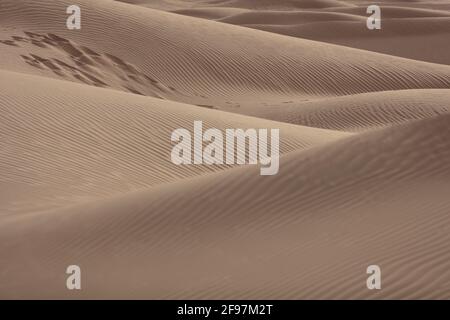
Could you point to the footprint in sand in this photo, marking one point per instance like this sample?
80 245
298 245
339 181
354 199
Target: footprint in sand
85 65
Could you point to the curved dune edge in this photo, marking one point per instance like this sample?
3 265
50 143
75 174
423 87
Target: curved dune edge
361 112
403 27
241 4
308 232
82 142
199 67
398 37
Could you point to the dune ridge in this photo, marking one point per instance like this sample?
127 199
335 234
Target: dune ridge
405 24
290 216
360 112
101 141
205 69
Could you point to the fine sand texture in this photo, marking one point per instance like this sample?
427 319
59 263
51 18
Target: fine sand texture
86 176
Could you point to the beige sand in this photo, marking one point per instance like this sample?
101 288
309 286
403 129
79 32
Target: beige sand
85 170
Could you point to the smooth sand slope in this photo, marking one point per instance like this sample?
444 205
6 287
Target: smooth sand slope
309 232
86 177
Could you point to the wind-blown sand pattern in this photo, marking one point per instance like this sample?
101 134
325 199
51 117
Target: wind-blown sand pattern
86 177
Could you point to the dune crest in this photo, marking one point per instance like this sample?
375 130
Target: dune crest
325 206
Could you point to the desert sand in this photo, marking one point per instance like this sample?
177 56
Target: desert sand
86 177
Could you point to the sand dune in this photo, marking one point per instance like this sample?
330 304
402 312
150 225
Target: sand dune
214 13
101 142
398 37
396 10
403 26
202 68
287 17
361 112
85 170
260 4
307 233
284 4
